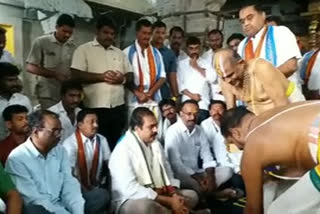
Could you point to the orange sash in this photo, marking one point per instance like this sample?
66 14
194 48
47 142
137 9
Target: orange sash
249 53
152 67
83 168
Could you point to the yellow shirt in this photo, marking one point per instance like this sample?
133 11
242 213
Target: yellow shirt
93 58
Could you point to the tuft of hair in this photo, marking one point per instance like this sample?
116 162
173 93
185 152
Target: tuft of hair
215 31
188 102
166 102
275 19
235 36
36 118
2 31
143 23
213 102
105 20
137 116
8 112
232 118
258 7
158 24
70 85
176 29
83 113
8 70
192 40
65 19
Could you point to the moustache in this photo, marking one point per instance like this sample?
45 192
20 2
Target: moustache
194 55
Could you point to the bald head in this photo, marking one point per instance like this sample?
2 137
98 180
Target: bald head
224 59
227 64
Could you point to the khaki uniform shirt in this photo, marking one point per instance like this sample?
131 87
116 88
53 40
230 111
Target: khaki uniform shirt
50 54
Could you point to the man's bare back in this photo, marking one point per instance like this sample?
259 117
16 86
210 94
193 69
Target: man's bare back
278 137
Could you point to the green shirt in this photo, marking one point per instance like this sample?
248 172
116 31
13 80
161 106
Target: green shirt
6 183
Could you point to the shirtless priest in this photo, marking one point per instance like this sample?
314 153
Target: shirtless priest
285 136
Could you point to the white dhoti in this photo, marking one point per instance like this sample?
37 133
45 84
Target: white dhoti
300 198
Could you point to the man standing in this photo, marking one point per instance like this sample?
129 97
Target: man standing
149 70
276 44
89 154
68 107
170 88
169 114
211 128
5 56
145 183
288 137
45 182
256 82
176 37
16 119
9 92
105 71
195 76
234 40
186 144
215 41
50 59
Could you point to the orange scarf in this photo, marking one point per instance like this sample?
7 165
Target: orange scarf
249 53
152 67
83 168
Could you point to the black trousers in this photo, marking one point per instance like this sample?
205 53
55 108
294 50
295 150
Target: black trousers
112 122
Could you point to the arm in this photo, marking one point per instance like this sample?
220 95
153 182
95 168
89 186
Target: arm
173 84
156 86
196 97
71 195
7 191
13 202
272 82
289 67
86 77
251 171
228 95
172 76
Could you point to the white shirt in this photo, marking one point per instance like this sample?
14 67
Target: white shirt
184 148
208 56
68 127
45 181
16 98
71 146
125 184
163 127
7 57
145 70
182 55
217 143
191 79
286 47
